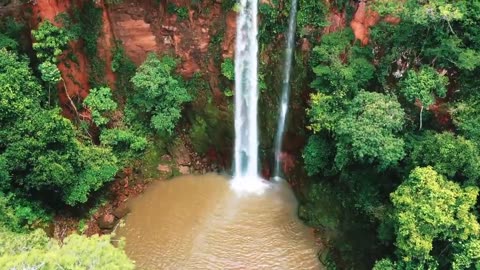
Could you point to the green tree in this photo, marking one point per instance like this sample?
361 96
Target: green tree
428 208
51 75
317 155
42 151
450 155
36 251
340 68
124 142
20 213
367 132
100 103
20 91
7 42
324 112
159 94
466 116
422 86
39 148
50 41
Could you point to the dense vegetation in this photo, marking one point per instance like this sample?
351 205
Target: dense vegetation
392 159
395 140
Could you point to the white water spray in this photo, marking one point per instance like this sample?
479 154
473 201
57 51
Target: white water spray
246 176
285 88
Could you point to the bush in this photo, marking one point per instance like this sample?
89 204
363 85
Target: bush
36 251
199 136
228 69
100 103
159 94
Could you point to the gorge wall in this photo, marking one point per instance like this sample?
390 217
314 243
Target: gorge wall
201 35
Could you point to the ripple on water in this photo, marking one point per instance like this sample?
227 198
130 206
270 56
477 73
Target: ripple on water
199 222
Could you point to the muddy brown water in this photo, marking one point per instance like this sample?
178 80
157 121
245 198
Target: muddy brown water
198 222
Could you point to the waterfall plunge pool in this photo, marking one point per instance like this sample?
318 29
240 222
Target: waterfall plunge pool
200 222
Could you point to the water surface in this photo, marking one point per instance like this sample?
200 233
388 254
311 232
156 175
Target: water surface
198 222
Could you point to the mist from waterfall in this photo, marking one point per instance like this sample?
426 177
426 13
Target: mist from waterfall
290 46
246 176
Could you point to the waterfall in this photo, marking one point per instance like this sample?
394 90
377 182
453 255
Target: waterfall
290 46
246 176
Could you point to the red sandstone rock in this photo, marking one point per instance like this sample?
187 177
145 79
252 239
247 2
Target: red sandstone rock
391 19
364 19
228 44
129 26
336 21
105 45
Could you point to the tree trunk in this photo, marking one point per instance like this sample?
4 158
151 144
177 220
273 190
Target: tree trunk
421 112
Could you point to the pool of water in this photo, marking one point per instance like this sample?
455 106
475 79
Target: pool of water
199 222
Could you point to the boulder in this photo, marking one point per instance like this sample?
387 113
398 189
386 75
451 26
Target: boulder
107 222
181 154
121 211
163 168
184 169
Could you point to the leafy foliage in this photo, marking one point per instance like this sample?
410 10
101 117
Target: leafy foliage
20 214
339 67
448 154
19 90
272 22
311 13
100 102
228 69
368 129
435 72
430 208
50 73
90 20
43 153
124 68
50 41
124 142
10 33
317 154
423 85
7 42
38 146
199 135
36 251
159 94
182 12
466 117
365 131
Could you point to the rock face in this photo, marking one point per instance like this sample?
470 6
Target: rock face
362 21
228 44
129 26
365 18
336 21
105 44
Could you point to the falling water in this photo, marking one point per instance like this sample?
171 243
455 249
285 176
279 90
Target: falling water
246 176
285 88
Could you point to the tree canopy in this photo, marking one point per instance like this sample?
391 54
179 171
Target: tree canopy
159 95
